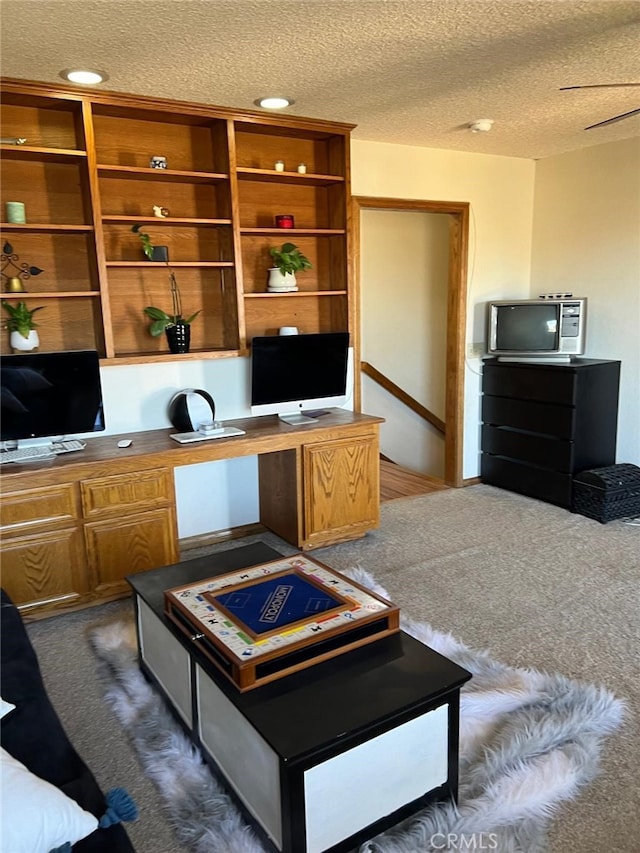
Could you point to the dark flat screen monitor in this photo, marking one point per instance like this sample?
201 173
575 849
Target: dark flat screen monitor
291 374
46 394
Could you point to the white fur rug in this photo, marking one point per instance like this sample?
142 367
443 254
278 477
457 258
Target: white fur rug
528 741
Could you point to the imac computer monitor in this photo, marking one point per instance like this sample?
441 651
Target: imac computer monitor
50 394
291 374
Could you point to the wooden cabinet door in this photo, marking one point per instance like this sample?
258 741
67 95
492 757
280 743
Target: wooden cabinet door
45 570
131 525
117 547
43 565
341 490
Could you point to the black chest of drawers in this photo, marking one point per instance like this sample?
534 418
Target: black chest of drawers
544 423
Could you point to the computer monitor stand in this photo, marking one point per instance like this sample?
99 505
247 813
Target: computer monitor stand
296 419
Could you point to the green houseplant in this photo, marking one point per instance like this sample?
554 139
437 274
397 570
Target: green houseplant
288 260
161 320
22 326
175 326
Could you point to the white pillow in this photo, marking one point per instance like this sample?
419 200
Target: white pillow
36 816
5 707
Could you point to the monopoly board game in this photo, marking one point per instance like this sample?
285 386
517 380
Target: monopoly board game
266 621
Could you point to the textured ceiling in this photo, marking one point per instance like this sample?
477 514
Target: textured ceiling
414 72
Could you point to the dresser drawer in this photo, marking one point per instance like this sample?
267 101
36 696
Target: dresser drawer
526 447
45 507
104 496
549 419
555 384
541 483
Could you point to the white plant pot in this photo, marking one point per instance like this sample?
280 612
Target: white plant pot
22 344
281 283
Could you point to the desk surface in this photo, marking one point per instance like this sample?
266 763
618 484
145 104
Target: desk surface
154 448
343 697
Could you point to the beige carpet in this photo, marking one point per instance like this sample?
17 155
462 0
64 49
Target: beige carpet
533 584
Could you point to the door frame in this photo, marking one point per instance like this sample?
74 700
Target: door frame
458 213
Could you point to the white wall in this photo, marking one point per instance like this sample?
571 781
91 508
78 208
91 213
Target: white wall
586 239
407 340
212 496
500 192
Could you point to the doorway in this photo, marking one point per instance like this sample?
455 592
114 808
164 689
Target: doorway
457 216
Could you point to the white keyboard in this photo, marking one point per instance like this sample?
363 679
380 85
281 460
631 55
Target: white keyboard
68 446
42 451
27 454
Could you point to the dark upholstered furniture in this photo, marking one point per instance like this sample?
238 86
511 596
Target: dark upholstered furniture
33 734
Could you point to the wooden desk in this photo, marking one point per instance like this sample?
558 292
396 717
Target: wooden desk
73 527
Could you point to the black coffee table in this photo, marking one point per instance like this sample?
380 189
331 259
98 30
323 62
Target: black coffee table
323 759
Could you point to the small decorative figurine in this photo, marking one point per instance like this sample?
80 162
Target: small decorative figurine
302 168
279 166
12 274
157 162
161 212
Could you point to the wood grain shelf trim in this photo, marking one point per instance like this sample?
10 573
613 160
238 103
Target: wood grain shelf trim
295 293
271 176
150 358
170 175
162 265
46 227
60 294
318 232
118 219
27 152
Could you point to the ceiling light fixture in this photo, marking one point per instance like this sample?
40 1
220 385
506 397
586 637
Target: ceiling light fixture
87 77
481 125
273 103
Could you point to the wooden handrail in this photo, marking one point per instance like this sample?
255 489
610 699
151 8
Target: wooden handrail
401 395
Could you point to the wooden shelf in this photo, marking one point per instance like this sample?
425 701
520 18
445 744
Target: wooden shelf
169 220
169 175
86 168
193 355
46 227
58 294
301 232
271 176
43 155
161 265
295 293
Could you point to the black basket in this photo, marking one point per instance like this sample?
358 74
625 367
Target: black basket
607 493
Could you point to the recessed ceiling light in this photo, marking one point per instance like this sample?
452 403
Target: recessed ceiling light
481 125
273 103
89 78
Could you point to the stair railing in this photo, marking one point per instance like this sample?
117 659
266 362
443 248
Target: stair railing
401 395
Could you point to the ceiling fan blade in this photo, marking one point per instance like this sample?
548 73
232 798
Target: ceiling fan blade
598 86
614 119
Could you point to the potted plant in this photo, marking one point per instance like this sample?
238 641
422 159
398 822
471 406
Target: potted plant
154 253
163 321
288 260
20 323
174 325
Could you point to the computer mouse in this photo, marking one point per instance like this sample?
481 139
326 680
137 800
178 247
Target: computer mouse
125 442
